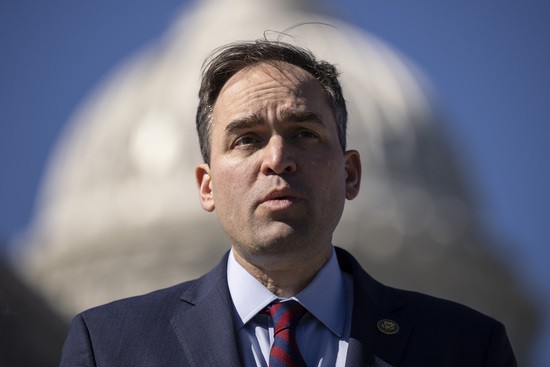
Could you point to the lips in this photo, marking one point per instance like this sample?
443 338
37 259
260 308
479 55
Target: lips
281 199
282 194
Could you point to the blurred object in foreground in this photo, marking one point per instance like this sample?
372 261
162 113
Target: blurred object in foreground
31 334
120 216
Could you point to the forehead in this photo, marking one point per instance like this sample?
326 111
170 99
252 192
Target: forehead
269 82
276 70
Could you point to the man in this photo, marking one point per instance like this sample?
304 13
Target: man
272 129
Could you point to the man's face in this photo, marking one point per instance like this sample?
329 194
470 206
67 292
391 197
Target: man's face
277 177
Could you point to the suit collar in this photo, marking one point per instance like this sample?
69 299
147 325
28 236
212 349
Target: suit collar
204 325
206 331
368 346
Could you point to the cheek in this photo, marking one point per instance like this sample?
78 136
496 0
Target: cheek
332 177
231 183
326 167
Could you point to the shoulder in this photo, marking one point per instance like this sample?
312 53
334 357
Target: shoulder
116 332
444 314
454 329
391 299
137 330
440 330
149 311
421 309
162 301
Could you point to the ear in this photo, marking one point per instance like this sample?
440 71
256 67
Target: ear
204 183
353 173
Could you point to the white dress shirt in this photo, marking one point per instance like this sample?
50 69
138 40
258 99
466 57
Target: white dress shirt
323 332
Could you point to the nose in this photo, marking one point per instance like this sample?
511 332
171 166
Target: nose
278 157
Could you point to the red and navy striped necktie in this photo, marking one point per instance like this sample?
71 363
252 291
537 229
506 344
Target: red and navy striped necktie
284 351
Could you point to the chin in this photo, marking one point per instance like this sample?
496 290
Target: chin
289 244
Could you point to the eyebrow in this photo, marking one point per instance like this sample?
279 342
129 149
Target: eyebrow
301 116
244 123
286 116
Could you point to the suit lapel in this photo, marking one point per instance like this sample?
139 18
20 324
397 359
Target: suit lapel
204 326
372 302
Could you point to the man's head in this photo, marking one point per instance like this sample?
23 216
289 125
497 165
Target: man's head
276 171
230 59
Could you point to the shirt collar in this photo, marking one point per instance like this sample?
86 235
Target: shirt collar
248 294
324 297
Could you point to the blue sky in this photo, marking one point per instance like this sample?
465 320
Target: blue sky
488 61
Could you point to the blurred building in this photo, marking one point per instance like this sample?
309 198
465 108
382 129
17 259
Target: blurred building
119 213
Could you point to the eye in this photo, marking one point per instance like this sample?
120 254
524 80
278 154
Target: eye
307 134
246 140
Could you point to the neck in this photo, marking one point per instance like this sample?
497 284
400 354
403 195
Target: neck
284 277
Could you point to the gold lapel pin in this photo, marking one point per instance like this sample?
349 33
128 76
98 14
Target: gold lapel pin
388 326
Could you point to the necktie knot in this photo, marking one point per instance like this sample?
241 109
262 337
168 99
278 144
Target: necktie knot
286 315
284 351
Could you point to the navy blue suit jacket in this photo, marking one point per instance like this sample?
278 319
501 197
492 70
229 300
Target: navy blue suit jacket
191 324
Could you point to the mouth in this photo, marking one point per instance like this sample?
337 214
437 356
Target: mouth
281 199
